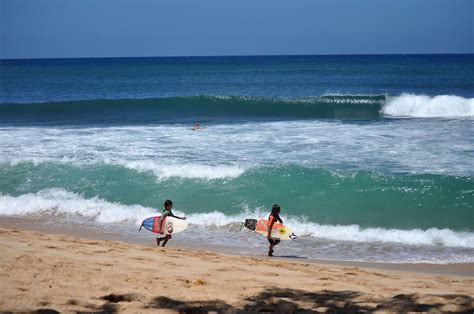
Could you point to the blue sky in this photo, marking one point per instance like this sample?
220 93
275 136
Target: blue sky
103 28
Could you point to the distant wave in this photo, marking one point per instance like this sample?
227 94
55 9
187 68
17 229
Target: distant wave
60 201
416 106
180 109
176 109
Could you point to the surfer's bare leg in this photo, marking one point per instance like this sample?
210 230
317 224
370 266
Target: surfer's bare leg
158 240
272 242
270 247
166 239
270 250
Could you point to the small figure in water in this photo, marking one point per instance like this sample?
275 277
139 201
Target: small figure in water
274 216
197 126
167 213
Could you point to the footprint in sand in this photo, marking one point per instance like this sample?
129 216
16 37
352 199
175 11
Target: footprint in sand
84 253
51 247
443 280
140 259
229 269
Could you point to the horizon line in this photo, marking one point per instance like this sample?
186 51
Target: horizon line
244 55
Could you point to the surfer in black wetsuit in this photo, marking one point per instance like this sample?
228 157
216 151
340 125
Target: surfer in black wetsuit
167 213
274 217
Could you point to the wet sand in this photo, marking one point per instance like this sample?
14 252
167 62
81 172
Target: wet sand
69 273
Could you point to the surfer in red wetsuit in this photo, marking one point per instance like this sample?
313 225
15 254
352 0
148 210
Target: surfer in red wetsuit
167 213
274 216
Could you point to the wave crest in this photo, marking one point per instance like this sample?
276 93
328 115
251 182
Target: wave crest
186 171
225 108
419 106
192 108
61 201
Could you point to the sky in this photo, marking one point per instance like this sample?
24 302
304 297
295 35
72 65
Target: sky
136 28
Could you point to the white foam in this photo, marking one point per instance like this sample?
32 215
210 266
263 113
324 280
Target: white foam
340 99
186 171
161 170
419 106
215 218
61 201
225 151
432 236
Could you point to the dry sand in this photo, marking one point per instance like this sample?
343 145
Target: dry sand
42 271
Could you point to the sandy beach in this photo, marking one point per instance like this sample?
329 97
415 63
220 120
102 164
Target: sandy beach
66 273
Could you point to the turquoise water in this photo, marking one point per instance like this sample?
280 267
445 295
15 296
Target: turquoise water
369 156
364 198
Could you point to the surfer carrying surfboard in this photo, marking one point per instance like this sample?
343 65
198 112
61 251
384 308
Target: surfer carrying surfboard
167 213
274 217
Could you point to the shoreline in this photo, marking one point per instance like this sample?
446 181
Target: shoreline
94 233
57 272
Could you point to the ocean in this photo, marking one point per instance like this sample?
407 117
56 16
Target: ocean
370 157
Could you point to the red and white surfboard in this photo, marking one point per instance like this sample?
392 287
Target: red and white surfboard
279 231
165 225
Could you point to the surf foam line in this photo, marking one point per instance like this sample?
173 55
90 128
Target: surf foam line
60 201
162 171
184 171
352 233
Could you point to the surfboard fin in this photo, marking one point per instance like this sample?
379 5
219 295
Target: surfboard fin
140 228
293 236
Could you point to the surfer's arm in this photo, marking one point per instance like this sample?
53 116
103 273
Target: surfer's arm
182 218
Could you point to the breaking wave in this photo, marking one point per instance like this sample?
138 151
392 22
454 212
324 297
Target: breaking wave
60 201
416 106
227 108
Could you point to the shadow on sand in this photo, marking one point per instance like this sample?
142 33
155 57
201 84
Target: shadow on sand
276 300
292 256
